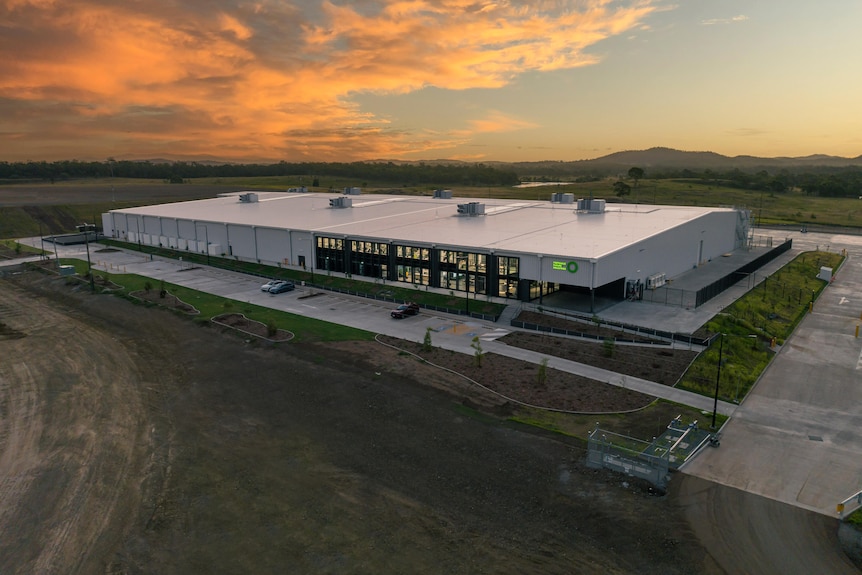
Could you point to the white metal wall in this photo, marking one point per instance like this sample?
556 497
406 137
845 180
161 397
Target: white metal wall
672 252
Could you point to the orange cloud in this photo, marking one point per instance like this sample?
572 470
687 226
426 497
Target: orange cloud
269 80
498 122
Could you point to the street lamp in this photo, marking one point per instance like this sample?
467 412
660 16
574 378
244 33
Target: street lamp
465 259
206 239
42 239
717 379
86 228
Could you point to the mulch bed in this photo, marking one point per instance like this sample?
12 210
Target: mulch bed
167 300
520 381
660 363
589 328
239 322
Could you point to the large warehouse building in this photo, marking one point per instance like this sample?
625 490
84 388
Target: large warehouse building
500 248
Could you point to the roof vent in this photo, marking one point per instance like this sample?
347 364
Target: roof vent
471 209
443 194
562 198
591 206
352 191
248 198
340 202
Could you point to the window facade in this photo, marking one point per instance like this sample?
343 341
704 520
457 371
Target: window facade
413 264
507 276
370 259
329 254
458 271
463 271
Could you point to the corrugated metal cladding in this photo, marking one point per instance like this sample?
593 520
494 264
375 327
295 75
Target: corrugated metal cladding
424 240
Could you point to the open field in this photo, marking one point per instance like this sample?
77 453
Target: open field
59 207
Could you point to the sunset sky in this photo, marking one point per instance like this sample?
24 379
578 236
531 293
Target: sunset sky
339 80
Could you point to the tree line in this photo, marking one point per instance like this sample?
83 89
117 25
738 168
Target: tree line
815 181
823 181
408 174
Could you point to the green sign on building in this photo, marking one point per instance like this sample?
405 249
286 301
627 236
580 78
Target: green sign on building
571 267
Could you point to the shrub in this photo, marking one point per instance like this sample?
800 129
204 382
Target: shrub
477 356
542 376
426 344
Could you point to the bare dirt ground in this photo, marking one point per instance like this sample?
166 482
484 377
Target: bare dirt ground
137 441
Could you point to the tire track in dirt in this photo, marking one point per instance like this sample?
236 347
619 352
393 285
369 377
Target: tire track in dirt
68 437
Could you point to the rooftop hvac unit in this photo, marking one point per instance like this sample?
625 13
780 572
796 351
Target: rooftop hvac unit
352 191
591 205
443 194
562 198
471 209
341 202
248 198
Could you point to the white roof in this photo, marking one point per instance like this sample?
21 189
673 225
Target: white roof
522 226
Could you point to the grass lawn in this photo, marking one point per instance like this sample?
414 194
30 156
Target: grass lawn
769 313
304 328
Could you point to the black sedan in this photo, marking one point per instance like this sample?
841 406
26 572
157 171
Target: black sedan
282 287
404 310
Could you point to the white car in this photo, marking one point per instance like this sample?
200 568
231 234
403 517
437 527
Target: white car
270 284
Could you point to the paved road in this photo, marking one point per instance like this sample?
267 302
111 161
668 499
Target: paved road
797 437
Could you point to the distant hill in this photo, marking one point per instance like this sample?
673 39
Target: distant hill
658 157
670 158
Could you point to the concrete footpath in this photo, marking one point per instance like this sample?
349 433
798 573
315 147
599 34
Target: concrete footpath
797 436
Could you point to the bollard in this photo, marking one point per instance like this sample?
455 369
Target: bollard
857 331
810 307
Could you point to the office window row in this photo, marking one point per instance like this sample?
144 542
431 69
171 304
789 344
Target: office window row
469 272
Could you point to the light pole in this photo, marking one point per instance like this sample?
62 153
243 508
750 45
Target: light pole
465 259
86 228
717 379
137 233
42 239
111 165
56 257
206 239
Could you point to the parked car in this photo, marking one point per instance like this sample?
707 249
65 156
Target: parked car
404 310
269 284
282 287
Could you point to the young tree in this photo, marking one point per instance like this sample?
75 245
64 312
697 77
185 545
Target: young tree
636 174
542 376
621 188
426 344
477 356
